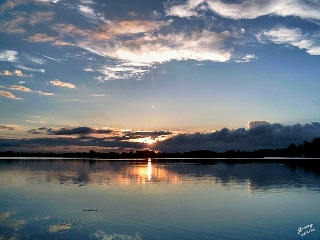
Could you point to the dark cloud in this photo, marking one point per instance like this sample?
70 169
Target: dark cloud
265 136
59 144
103 131
89 130
253 124
69 131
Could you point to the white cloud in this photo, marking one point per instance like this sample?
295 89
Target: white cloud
59 227
87 1
62 84
17 73
293 36
249 9
7 94
6 73
23 89
197 46
120 72
20 88
189 9
245 59
87 11
137 55
88 69
8 56
46 93
90 13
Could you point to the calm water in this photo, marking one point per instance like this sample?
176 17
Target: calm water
81 199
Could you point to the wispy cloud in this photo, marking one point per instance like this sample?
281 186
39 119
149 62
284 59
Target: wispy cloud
59 83
249 9
41 17
8 5
292 36
87 11
33 59
13 26
41 70
18 22
53 1
8 95
44 38
32 121
98 95
53 59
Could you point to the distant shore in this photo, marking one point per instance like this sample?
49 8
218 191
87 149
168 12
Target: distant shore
308 164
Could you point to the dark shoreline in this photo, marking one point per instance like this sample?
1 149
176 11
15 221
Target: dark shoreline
307 164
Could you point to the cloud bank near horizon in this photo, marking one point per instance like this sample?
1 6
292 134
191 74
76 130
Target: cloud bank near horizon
260 135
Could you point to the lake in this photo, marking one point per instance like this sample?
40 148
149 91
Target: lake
127 200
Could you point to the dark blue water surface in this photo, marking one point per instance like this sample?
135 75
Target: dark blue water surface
82 199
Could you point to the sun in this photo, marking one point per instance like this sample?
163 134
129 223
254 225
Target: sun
149 140
146 140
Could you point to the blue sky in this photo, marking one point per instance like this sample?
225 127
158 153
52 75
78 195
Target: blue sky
119 75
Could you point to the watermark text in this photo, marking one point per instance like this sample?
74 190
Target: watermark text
302 231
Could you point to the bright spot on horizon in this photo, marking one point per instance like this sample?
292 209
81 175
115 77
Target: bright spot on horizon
147 140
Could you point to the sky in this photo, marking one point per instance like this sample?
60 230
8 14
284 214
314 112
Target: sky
105 75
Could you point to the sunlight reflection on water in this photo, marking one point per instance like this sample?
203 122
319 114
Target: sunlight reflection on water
83 199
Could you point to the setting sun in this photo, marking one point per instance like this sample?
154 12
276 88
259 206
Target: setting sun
150 141
147 140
